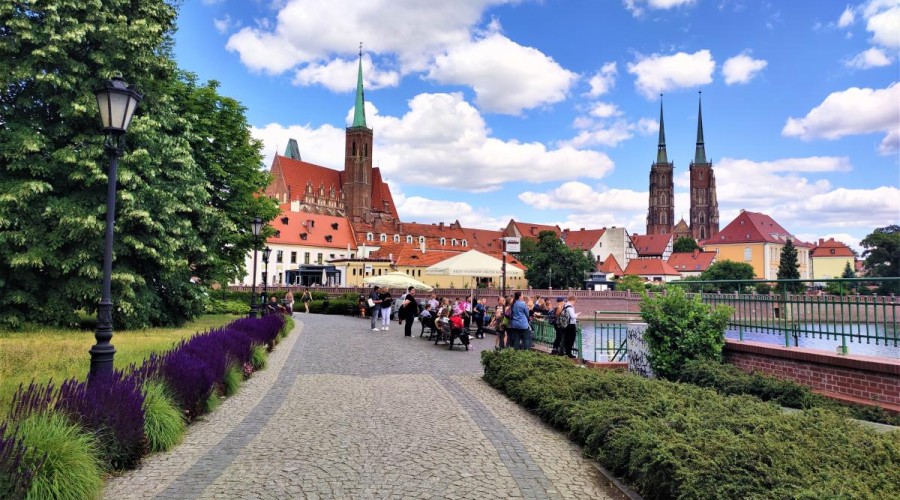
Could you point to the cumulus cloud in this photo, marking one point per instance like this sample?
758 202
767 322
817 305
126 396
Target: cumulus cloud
742 68
847 17
339 75
637 7
609 133
883 21
223 25
604 80
442 141
871 58
845 208
507 77
604 110
657 73
851 112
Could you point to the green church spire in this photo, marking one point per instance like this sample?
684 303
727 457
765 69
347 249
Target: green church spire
359 110
661 156
700 154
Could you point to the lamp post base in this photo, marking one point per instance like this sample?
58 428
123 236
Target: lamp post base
102 353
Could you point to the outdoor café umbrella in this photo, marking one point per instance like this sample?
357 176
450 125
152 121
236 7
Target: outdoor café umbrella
397 280
473 263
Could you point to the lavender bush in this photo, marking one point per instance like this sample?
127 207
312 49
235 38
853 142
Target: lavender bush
16 470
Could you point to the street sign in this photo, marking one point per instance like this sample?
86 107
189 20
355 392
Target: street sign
513 245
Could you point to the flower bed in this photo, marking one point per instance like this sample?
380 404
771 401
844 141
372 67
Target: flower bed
115 419
673 440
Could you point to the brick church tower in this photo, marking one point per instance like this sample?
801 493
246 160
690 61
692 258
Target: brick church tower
661 214
357 175
704 205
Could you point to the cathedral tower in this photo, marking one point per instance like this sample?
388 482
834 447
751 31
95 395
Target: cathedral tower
704 205
661 214
357 175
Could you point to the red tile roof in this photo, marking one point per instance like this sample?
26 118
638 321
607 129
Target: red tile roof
610 266
382 201
650 267
650 245
297 173
483 240
531 230
753 227
583 239
319 229
691 261
831 248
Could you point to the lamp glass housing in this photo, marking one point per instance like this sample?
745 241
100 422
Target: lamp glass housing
256 226
117 103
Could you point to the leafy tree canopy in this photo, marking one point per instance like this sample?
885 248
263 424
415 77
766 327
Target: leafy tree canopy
631 283
685 244
568 265
882 255
728 270
185 183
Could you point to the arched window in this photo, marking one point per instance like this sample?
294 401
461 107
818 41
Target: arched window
365 150
662 218
453 242
353 149
409 238
702 218
370 237
443 241
703 233
421 239
382 238
396 238
465 243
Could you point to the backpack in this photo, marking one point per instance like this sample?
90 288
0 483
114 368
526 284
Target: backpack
564 318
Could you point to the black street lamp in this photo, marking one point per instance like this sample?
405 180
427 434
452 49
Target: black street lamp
256 227
266 252
117 102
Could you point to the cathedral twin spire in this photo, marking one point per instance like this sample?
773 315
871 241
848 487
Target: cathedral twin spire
359 109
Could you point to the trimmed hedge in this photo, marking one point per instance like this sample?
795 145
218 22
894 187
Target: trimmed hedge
674 440
729 379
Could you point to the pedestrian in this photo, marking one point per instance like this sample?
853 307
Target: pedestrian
560 332
305 298
435 303
497 323
374 304
289 302
386 303
570 330
518 322
465 309
478 315
409 309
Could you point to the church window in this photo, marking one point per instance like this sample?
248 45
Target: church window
382 238
396 238
365 150
409 238
663 219
702 219
352 149
443 241
369 237
748 254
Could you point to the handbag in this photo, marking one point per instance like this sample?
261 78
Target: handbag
370 302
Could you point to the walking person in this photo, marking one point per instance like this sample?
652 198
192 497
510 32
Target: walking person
560 332
497 323
289 302
478 315
305 298
466 310
409 309
386 303
374 304
518 322
570 329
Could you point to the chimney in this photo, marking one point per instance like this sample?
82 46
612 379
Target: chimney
441 226
582 229
821 241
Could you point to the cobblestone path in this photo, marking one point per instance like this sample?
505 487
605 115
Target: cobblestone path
345 412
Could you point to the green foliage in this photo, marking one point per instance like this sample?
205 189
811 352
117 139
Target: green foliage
72 467
848 271
634 284
728 270
730 380
232 381
188 173
672 440
789 268
882 256
212 402
164 423
258 357
216 306
763 288
551 255
685 244
681 329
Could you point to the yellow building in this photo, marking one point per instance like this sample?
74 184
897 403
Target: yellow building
755 238
830 258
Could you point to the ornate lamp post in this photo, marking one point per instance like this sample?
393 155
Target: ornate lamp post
266 252
117 102
256 227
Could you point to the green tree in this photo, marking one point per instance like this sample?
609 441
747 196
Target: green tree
789 268
631 283
728 270
568 265
528 251
882 256
682 329
685 244
53 176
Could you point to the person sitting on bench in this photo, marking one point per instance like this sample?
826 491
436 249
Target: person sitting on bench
426 319
458 330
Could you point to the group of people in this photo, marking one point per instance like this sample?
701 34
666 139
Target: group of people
512 319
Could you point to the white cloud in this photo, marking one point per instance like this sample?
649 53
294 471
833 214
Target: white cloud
223 25
845 208
636 7
606 133
605 110
656 73
507 77
847 17
442 141
339 75
427 210
604 80
883 21
851 112
871 58
742 68
760 185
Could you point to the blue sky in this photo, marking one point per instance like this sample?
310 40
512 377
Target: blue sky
547 111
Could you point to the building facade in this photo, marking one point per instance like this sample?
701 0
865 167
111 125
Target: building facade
661 211
830 259
704 204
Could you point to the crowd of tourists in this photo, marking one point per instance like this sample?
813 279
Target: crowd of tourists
512 319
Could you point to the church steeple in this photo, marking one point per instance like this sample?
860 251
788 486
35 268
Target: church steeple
700 154
661 156
359 110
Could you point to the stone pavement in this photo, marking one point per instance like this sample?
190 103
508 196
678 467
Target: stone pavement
345 412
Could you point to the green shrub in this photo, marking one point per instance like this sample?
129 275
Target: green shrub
72 467
232 380
682 328
216 306
164 423
258 357
212 402
287 327
674 440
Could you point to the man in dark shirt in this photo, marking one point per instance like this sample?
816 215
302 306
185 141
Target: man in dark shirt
409 309
375 306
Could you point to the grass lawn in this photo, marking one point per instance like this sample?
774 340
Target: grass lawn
53 353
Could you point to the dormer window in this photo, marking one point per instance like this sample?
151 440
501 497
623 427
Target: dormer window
421 239
443 241
334 225
328 238
409 238
453 242
396 238
303 236
382 238
284 220
369 237
278 234
465 243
